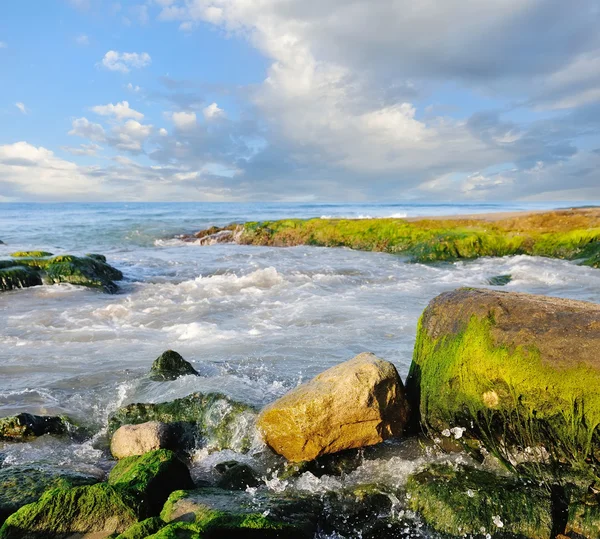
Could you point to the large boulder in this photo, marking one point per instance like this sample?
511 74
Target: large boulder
131 440
13 277
25 426
357 403
21 485
171 365
511 371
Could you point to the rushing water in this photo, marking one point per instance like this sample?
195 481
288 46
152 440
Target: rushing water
255 321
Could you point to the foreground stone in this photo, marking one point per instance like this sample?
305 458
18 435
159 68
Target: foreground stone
31 268
21 485
143 529
131 440
463 501
170 365
211 419
24 426
222 513
509 370
357 403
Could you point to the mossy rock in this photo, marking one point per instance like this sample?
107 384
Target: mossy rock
462 501
169 366
211 418
30 254
84 271
95 256
21 485
511 371
143 529
235 475
25 426
215 513
152 476
14 277
500 280
63 512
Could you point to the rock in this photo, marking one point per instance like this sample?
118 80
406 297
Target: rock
100 258
500 280
462 501
20 485
131 440
152 477
143 529
584 517
30 254
100 509
357 403
84 271
222 236
223 513
26 426
211 418
170 365
18 277
511 371
236 476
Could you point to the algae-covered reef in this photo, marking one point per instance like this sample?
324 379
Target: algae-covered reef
566 234
32 268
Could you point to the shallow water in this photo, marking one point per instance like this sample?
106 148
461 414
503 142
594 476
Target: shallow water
255 321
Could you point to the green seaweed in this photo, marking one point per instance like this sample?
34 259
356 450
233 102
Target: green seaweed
83 271
143 529
30 254
18 277
26 426
169 366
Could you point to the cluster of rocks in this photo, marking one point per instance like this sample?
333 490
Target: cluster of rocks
33 268
509 378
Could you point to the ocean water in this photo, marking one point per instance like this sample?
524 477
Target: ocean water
254 321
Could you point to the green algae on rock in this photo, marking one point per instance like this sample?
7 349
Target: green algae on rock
169 366
21 485
214 512
143 529
500 280
31 254
26 426
62 512
152 476
464 501
513 371
567 234
213 418
14 277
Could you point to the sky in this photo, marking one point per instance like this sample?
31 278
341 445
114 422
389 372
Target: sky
300 100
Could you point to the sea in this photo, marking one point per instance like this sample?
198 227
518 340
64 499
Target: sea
254 321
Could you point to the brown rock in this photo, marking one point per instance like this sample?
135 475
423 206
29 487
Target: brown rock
130 440
357 403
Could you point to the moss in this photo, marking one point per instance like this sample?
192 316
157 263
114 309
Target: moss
560 234
584 517
83 271
171 365
18 277
177 530
220 421
504 396
143 529
86 509
30 254
460 500
152 476
21 485
500 280
26 426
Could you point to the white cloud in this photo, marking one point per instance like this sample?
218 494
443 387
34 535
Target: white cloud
82 127
130 136
163 132
213 111
133 88
82 5
120 111
21 107
184 120
89 150
125 61
82 40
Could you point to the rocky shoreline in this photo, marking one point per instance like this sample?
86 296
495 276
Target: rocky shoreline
502 389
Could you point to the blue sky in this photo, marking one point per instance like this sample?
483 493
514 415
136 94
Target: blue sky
300 100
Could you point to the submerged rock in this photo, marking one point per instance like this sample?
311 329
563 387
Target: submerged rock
513 371
500 280
26 426
152 477
463 501
223 513
357 403
211 418
101 509
235 475
170 365
18 277
21 485
132 440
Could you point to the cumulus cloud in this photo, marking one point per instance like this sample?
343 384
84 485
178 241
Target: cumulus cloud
120 111
184 120
133 88
83 149
21 107
82 127
130 136
125 61
213 111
